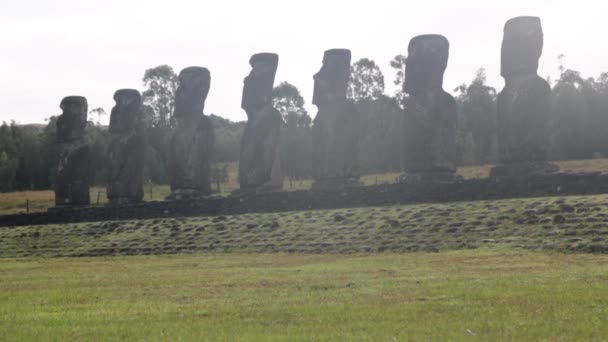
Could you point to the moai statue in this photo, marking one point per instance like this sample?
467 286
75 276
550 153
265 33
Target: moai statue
335 131
429 125
524 105
192 142
74 170
259 166
126 151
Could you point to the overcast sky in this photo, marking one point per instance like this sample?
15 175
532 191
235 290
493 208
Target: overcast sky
51 49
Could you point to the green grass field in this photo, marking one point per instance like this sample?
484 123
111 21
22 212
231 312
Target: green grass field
485 295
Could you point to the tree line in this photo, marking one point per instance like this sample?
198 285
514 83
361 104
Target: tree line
28 154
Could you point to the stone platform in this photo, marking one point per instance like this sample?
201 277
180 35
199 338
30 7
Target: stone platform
558 184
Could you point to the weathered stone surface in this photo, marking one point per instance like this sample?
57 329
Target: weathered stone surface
192 142
126 151
335 132
524 105
74 169
260 166
429 125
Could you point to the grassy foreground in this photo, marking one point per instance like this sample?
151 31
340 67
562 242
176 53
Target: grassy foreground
463 295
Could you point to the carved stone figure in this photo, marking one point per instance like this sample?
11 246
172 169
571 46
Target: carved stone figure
524 105
192 142
335 132
429 125
259 166
126 151
74 169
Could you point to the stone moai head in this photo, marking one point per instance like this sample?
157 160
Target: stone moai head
72 122
426 62
331 82
257 88
126 111
194 83
522 46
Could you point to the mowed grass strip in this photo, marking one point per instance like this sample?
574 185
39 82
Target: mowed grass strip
568 224
461 295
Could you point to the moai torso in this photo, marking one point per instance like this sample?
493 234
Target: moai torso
335 132
126 151
259 165
192 141
74 170
430 120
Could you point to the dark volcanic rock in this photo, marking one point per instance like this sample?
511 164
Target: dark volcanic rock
126 151
339 218
260 166
429 125
74 169
192 142
524 105
335 132
559 219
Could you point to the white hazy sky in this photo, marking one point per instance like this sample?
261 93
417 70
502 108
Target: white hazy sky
51 49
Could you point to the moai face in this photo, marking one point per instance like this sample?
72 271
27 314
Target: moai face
331 82
192 92
257 88
522 46
426 63
73 121
125 112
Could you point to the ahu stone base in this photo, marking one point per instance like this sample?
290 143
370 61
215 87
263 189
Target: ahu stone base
556 184
335 184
